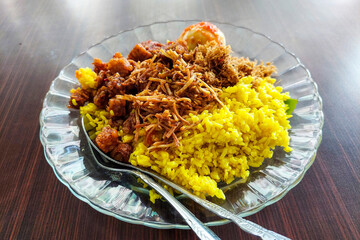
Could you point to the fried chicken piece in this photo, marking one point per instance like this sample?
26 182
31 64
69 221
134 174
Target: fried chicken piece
129 124
152 46
120 65
145 50
178 46
78 98
122 152
101 97
118 107
100 79
99 65
107 139
139 53
114 84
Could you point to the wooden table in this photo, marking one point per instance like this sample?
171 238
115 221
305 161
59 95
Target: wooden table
38 38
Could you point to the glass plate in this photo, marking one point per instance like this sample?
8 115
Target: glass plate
120 195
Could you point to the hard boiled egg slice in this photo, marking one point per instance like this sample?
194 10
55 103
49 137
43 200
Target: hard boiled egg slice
200 33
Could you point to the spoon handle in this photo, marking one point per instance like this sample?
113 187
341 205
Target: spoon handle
202 231
244 224
256 229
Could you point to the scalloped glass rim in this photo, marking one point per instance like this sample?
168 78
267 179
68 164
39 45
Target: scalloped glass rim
264 47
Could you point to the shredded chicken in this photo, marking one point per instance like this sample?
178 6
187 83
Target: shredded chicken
159 85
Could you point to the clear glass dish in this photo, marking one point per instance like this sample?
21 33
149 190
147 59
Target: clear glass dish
120 195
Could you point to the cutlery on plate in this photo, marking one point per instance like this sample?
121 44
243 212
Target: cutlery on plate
202 231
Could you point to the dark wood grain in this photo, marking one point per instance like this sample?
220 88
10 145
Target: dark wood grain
38 38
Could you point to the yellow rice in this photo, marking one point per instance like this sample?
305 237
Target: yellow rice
222 146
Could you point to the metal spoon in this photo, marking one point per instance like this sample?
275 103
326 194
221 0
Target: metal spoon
202 231
199 228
